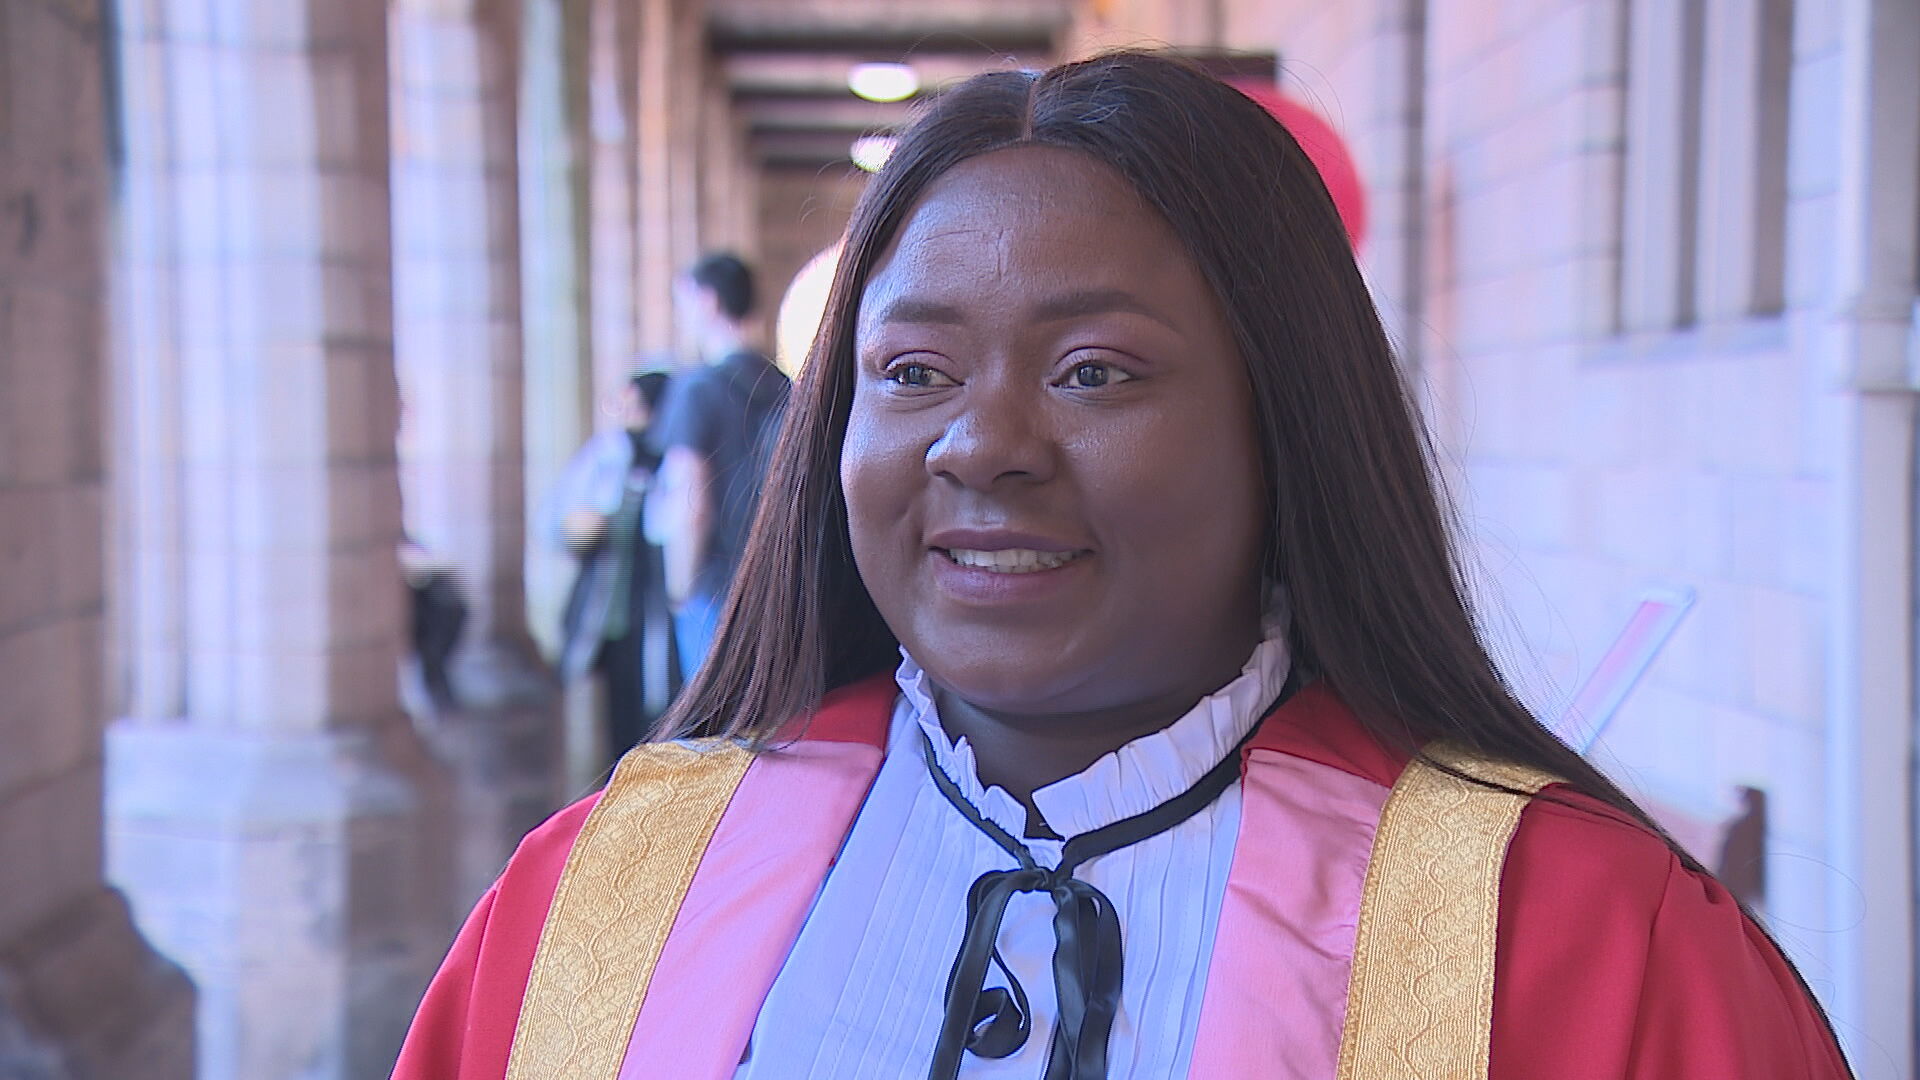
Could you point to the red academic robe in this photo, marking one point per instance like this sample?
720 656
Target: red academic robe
1613 961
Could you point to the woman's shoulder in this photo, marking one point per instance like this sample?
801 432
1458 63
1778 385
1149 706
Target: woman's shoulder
535 868
536 864
1566 834
1585 878
1616 958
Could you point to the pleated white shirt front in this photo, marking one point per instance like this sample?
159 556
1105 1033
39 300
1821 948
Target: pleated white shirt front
861 995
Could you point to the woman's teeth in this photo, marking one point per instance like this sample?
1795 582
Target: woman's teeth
1012 560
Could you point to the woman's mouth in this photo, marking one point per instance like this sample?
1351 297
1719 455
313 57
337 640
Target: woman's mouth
1010 560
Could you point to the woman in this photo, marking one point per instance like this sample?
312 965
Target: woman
1194 765
616 620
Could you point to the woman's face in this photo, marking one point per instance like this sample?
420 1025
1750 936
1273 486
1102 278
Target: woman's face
1051 469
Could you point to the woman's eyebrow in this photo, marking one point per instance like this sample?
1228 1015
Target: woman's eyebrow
913 309
1083 302
1068 305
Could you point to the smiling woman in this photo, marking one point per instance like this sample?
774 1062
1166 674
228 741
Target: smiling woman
1098 696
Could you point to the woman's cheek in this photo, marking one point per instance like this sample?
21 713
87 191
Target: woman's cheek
878 477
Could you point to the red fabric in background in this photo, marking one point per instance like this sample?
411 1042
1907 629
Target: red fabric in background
1324 147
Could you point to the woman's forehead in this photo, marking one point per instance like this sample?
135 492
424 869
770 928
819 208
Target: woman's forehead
1015 218
1021 188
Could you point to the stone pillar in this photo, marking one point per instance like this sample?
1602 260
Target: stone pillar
671 76
727 187
271 814
613 197
81 994
698 190
686 80
716 190
1864 339
557 375
581 65
457 351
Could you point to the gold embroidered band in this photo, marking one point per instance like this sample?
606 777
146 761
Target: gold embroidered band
1420 995
618 897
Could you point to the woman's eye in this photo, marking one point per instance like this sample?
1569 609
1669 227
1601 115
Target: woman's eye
1090 376
918 376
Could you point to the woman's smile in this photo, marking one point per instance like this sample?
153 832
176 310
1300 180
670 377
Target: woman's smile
1018 581
1009 560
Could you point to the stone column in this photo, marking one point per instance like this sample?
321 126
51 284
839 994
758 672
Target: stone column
696 192
613 195
686 80
654 270
557 375
1864 339
271 814
727 188
81 994
457 350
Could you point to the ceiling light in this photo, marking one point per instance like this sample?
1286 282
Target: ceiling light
883 82
870 152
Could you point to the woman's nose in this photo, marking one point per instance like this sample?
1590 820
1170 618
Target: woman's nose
998 435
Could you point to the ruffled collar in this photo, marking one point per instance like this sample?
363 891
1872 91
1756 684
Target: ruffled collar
1131 780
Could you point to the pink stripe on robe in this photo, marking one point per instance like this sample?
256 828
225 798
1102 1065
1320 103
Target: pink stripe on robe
759 878
1277 990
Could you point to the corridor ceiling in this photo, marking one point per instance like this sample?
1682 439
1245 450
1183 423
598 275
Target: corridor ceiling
786 61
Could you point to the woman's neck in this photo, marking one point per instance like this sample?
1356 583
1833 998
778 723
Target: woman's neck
1022 752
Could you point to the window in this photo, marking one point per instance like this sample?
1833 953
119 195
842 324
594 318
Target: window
1703 225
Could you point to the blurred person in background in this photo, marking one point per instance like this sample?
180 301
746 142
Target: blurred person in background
715 434
437 615
1100 696
616 621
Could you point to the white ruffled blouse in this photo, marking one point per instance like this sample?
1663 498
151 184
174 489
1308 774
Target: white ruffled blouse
861 995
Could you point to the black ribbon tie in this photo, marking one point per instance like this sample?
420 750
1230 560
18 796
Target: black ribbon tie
994 1023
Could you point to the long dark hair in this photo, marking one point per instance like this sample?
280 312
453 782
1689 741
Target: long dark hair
1357 533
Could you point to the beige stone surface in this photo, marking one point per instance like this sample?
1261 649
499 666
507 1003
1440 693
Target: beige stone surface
82 996
270 812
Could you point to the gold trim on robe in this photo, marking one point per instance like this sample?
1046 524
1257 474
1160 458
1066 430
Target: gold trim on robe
616 902
1420 993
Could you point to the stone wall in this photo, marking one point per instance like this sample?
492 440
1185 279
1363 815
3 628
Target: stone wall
1604 454
81 996
278 826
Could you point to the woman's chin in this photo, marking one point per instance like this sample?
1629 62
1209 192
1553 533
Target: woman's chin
1016 686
